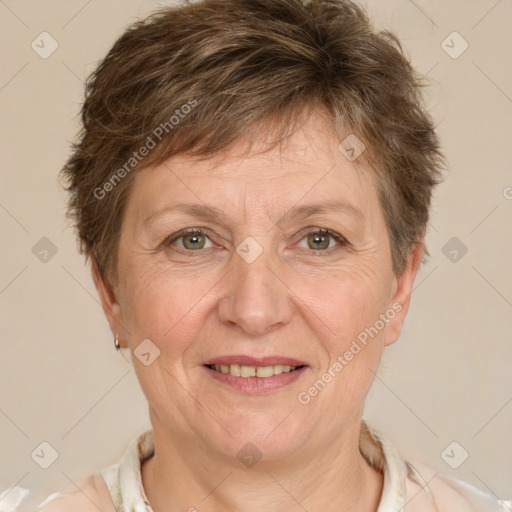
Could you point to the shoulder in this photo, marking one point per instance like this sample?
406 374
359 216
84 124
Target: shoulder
426 484
92 495
106 490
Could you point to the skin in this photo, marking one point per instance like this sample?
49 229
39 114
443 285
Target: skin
294 300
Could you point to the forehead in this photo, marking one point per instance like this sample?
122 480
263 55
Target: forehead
306 166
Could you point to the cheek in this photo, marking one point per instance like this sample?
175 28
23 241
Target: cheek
172 309
158 306
352 347
345 301
344 310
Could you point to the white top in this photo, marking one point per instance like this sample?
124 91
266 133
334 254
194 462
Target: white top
407 487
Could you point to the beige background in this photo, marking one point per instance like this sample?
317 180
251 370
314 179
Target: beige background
447 379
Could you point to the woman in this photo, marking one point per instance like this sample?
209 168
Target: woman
252 187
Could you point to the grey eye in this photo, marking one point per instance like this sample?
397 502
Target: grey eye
192 241
320 240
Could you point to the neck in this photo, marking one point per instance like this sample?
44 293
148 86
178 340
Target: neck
183 475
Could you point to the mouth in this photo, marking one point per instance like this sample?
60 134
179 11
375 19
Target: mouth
244 371
255 376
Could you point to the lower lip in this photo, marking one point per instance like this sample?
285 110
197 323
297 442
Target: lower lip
256 385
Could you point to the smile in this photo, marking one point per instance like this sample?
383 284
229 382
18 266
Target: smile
244 371
255 376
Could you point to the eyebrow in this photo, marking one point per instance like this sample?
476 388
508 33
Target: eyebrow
330 205
212 213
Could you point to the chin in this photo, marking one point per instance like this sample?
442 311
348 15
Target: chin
274 435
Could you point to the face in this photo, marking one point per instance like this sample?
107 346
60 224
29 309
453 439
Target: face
286 264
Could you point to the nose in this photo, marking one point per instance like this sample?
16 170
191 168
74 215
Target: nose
256 299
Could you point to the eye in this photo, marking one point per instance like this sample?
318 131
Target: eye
191 240
320 240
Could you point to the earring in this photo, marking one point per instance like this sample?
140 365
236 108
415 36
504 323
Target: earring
116 342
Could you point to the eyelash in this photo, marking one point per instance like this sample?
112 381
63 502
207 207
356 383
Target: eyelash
316 231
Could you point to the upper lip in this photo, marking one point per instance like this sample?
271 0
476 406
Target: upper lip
255 361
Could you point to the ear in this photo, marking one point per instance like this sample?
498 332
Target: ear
109 302
401 294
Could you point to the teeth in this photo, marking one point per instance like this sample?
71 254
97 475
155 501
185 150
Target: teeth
238 370
264 371
247 371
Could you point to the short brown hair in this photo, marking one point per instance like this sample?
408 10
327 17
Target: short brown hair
207 73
